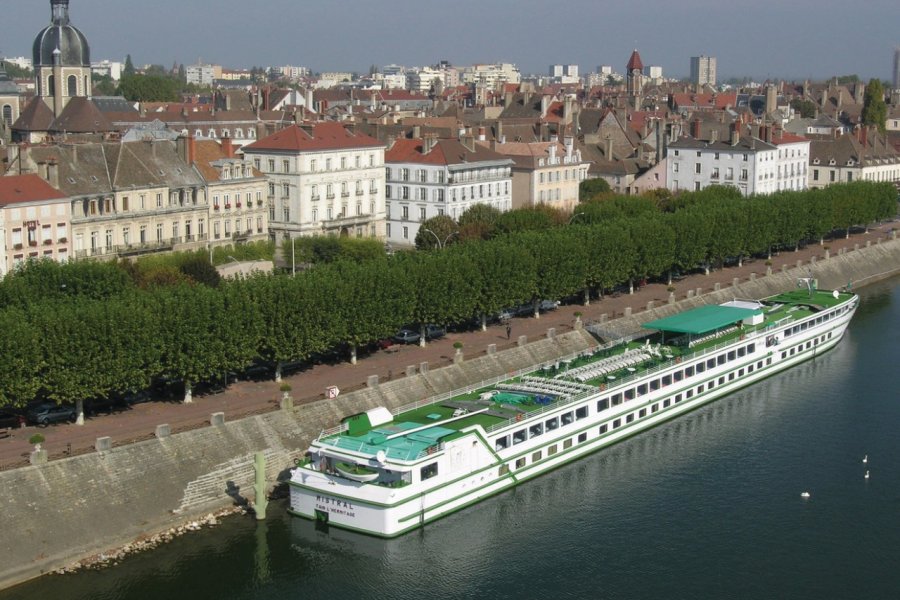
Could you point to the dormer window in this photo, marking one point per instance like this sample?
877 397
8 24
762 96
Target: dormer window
832 162
815 161
850 163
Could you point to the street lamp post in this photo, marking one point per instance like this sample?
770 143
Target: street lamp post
439 242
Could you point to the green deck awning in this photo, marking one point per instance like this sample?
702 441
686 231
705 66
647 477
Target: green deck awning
702 320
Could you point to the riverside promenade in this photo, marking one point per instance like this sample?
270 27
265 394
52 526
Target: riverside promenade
245 398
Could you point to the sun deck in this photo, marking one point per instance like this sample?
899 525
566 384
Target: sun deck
419 429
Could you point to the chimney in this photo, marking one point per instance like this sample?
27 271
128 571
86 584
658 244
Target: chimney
12 158
227 101
227 147
695 129
482 134
545 104
735 133
609 148
53 173
500 137
570 146
417 132
428 143
469 143
42 171
860 92
864 136
713 135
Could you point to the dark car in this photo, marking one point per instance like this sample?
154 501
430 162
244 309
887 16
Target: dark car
9 420
434 332
44 414
406 336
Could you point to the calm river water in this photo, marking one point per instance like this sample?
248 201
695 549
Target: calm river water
707 506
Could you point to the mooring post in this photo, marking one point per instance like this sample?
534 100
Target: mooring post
261 502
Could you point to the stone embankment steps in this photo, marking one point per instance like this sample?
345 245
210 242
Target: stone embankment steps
80 506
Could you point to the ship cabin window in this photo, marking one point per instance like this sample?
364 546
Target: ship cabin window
581 413
617 423
689 372
701 367
759 365
654 408
630 394
711 385
677 398
769 361
751 348
804 326
642 389
667 403
520 436
788 332
679 375
429 471
552 424
720 359
504 470
699 389
732 355
552 450
642 414
784 355
603 405
536 430
731 376
742 351
567 444
604 428
502 443
616 399
629 418
520 463
667 380
654 385
808 345
582 438
711 363
689 394
721 380
536 457
749 369
566 418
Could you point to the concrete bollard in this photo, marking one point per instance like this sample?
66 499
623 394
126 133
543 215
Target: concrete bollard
217 419
769 271
651 305
855 247
690 294
458 357
799 263
551 333
752 276
37 457
628 311
103 444
410 370
523 340
671 297
492 349
735 282
423 367
372 381
827 254
604 318
868 243
784 268
893 234
812 260
163 431
699 292
717 287
286 403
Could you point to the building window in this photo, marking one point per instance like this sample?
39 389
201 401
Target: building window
286 166
421 214
405 233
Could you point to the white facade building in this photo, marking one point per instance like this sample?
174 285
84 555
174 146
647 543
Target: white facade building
431 177
202 75
107 67
747 163
322 180
492 76
703 70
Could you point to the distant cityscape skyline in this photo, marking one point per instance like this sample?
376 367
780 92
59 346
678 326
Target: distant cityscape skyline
352 35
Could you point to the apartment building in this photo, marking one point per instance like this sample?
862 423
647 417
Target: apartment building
322 179
545 173
430 177
34 222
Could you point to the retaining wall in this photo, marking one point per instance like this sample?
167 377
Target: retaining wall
60 512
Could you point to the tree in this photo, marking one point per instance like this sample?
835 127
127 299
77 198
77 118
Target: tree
806 108
199 269
591 188
506 275
436 232
103 85
128 69
478 222
148 88
874 109
16 72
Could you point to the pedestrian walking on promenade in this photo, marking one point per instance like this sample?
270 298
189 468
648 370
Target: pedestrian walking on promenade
508 330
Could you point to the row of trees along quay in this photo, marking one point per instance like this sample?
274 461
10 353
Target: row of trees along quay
87 331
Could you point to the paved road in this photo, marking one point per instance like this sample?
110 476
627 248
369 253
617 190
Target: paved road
248 397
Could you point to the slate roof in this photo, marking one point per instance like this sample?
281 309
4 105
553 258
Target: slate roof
26 188
81 116
36 116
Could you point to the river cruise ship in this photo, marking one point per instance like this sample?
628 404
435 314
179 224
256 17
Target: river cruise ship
385 473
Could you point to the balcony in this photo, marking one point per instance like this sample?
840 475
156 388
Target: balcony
360 192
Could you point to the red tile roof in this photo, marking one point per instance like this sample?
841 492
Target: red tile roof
26 188
444 152
325 136
787 138
635 62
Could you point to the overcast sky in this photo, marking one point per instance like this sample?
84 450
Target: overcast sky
764 38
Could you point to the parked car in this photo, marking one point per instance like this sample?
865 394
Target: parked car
547 305
505 315
46 413
406 336
9 420
434 332
385 343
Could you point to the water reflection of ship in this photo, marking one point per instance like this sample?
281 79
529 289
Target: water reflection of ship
312 535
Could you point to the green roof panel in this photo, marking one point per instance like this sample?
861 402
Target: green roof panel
702 320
